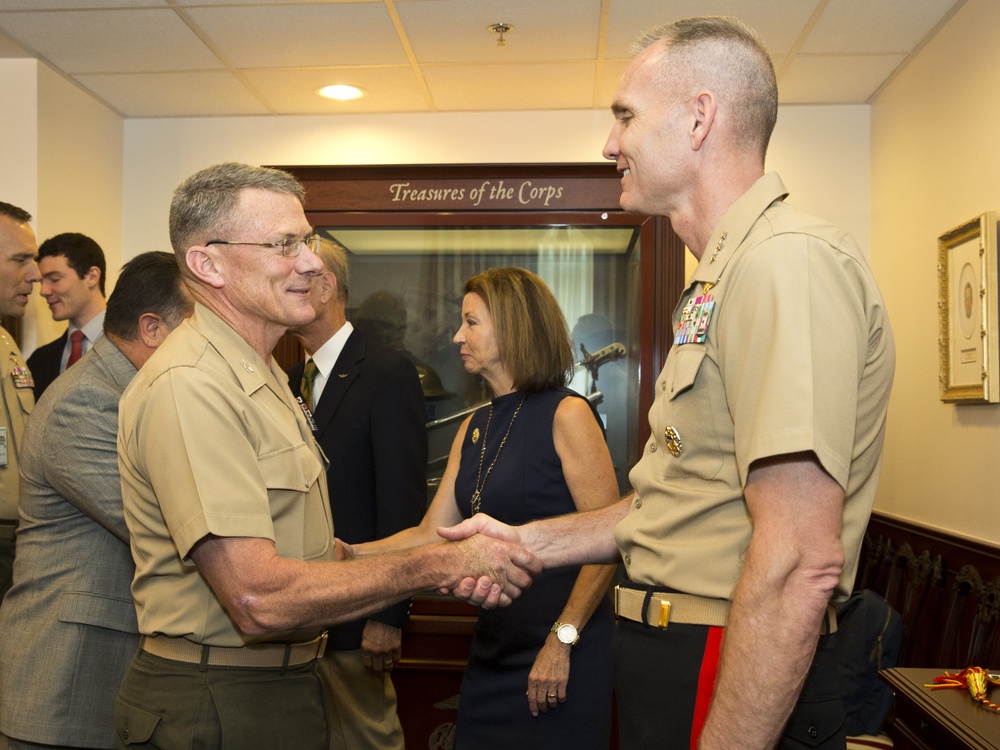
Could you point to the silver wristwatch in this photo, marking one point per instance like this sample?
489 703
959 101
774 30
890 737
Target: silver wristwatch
566 633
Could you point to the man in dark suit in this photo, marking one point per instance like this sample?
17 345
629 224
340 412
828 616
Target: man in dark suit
68 627
368 414
73 270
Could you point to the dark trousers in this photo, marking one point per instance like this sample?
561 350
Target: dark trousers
664 680
172 705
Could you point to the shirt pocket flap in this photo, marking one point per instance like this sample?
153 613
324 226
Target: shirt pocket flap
294 468
684 364
26 398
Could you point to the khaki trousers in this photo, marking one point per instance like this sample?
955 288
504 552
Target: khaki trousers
360 704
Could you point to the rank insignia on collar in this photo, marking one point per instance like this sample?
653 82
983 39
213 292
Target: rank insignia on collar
695 317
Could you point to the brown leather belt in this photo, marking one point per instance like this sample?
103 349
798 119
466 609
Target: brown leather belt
252 655
659 609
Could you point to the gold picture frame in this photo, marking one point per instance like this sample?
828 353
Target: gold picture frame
967 312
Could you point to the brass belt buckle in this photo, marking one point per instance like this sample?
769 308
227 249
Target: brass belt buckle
664 618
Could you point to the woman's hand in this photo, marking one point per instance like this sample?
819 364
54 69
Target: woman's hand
548 677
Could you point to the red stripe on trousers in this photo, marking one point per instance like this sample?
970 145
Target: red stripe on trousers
706 682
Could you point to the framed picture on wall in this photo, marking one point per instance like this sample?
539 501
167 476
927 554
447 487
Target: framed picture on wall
967 312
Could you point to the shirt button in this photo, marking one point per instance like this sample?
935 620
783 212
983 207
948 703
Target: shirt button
638 502
652 447
627 558
812 732
663 386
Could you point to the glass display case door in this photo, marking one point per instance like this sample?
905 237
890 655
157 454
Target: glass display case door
415 235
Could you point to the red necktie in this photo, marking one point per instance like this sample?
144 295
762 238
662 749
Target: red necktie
76 348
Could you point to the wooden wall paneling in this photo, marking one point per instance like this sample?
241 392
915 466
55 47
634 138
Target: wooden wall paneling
946 588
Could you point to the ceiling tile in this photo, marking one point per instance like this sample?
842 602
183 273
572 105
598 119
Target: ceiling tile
611 75
294 91
302 35
11 49
111 41
864 27
279 50
271 2
182 94
847 80
511 87
444 31
779 22
6 5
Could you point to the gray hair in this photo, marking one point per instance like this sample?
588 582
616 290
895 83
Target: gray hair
727 57
204 203
334 257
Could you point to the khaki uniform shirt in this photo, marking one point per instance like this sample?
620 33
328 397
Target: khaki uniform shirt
210 441
18 401
797 356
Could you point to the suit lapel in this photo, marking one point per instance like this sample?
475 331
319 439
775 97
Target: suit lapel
343 374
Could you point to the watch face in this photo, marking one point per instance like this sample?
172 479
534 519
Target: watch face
566 634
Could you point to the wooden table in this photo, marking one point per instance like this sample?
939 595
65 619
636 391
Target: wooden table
939 719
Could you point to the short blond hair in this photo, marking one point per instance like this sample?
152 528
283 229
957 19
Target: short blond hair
727 57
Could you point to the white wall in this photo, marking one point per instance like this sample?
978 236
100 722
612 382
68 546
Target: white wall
935 165
19 134
821 152
79 161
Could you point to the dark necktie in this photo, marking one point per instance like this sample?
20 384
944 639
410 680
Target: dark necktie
76 347
308 377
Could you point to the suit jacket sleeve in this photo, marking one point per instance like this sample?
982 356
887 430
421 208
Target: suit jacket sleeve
84 449
399 446
44 364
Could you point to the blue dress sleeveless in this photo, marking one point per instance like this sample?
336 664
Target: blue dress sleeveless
526 483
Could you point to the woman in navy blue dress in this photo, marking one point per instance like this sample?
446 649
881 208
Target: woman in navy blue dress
539 672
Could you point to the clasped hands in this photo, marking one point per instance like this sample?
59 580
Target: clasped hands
485 591
493 568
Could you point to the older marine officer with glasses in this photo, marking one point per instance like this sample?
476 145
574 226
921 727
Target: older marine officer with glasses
225 494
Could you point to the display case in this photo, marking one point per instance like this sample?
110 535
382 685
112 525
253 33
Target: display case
414 234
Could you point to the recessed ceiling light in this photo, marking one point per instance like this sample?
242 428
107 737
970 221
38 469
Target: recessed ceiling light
342 92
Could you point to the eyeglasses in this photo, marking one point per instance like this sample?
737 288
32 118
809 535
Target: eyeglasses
289 248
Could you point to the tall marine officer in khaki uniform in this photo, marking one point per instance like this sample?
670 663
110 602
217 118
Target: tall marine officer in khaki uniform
18 271
755 487
225 494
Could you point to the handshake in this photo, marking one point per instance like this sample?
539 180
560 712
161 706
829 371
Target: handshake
483 561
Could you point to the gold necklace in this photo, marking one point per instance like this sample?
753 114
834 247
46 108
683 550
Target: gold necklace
477 496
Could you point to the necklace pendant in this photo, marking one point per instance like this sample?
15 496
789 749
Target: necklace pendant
476 502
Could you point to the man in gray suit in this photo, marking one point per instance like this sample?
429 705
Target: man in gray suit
68 626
